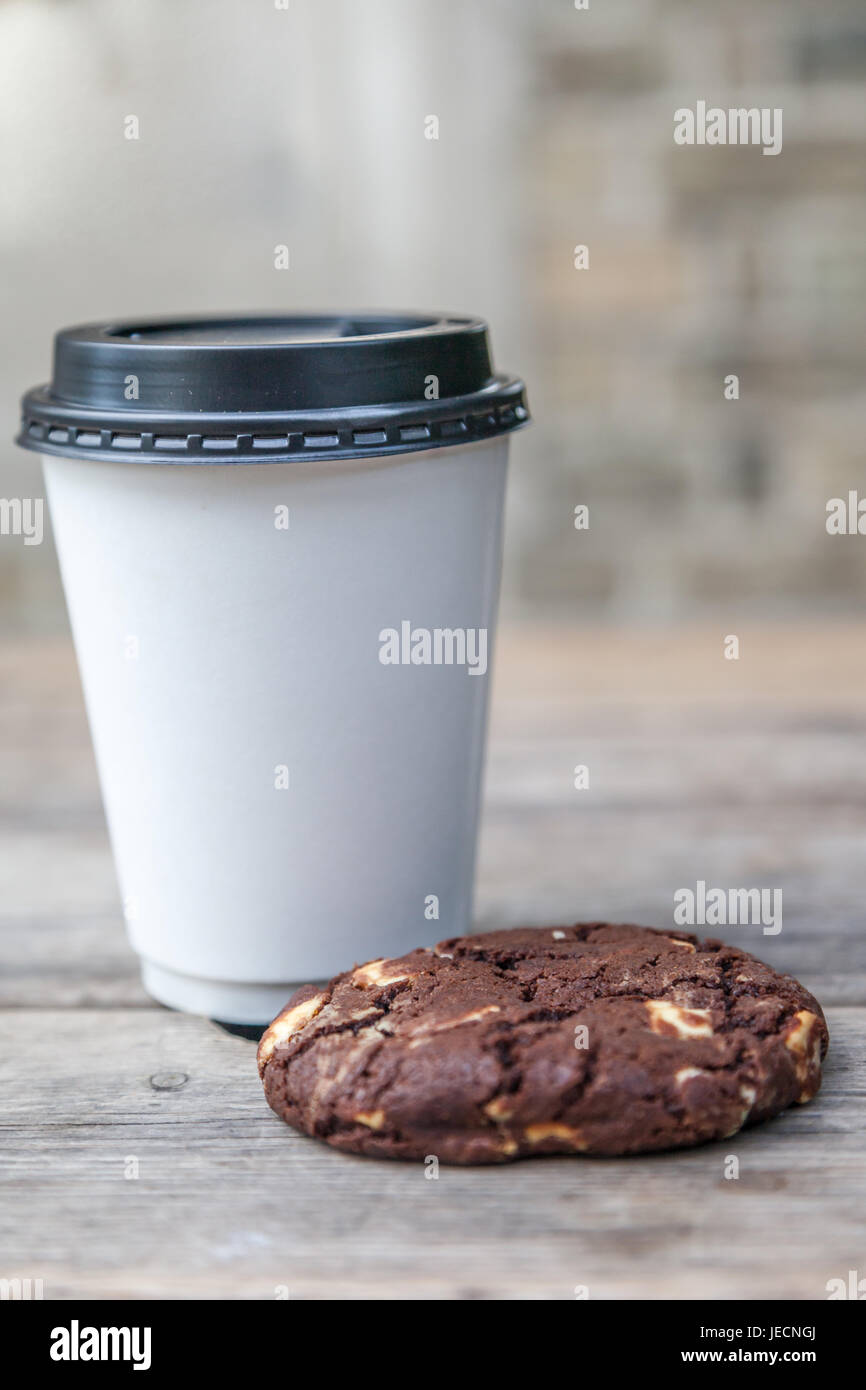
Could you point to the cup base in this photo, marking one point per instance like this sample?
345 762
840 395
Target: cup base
217 999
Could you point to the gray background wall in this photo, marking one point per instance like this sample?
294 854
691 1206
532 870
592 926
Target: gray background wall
305 126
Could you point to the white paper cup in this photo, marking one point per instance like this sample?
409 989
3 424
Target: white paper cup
286 669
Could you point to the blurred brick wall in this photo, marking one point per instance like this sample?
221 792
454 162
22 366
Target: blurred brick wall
704 261
557 129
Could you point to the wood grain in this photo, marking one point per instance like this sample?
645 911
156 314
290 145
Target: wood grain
750 775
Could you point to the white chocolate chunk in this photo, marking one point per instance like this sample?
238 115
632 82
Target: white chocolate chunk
427 1029
362 1043
373 1119
559 936
667 1018
803 1041
688 1074
498 1109
798 1038
287 1025
372 1012
375 972
747 1096
536 1134
683 945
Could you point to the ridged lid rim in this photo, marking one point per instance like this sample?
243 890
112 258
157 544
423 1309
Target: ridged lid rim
312 396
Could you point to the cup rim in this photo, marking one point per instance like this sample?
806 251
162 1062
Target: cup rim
270 387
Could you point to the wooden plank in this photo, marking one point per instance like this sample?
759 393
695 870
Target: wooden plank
67 962
231 1203
739 774
753 783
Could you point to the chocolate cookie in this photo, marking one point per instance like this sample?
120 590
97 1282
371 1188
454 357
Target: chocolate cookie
591 1039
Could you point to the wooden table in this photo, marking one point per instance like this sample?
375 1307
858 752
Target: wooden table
740 773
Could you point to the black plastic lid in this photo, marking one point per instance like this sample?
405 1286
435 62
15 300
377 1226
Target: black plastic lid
269 388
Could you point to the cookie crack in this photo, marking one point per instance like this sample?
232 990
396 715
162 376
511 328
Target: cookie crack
755 989
332 1030
382 1001
576 1093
